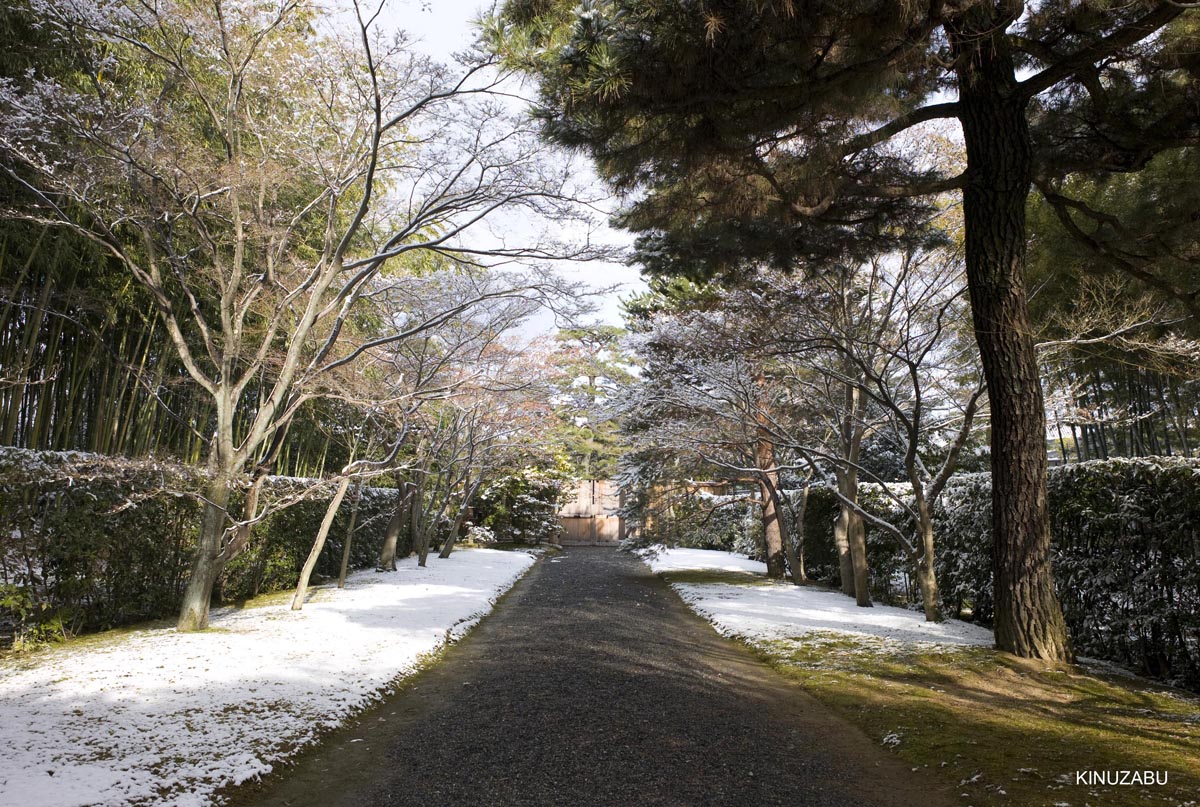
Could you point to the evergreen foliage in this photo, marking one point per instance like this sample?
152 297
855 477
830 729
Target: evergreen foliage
1126 553
789 132
1126 539
97 542
590 366
522 506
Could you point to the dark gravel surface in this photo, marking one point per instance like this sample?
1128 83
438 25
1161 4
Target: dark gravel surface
593 684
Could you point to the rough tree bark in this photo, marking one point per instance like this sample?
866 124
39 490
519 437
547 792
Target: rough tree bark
391 538
795 540
795 563
841 542
207 564
849 528
448 547
931 597
772 523
1028 617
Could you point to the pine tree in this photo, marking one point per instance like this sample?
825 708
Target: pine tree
786 130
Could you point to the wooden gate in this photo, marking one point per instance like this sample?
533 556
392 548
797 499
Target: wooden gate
591 519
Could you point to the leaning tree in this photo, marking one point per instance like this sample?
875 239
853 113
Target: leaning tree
787 129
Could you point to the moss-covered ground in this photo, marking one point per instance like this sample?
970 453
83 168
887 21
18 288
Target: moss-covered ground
1000 729
1005 730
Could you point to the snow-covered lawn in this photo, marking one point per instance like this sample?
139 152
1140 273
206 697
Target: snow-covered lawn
168 718
782 611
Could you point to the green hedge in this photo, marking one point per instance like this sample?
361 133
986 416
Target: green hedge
1126 542
891 580
1126 539
90 542
715 522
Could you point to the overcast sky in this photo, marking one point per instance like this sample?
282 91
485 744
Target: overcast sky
442 27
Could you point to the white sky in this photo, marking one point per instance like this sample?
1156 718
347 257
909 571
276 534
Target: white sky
442 27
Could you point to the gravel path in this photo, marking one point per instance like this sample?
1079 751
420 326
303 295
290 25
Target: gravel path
593 684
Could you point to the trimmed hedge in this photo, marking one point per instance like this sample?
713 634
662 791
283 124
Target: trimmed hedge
1126 542
1126 539
90 542
891 580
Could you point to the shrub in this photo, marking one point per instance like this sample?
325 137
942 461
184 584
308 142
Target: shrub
962 522
706 521
90 542
820 554
523 506
891 579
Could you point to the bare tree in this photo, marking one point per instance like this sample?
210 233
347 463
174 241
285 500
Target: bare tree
436 406
261 169
876 351
907 354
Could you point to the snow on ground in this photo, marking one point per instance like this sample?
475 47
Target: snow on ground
168 718
782 610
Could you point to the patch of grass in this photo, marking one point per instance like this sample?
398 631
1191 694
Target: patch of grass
316 593
727 577
1003 730
548 550
30 658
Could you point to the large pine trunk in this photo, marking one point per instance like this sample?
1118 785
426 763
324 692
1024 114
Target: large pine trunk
1028 618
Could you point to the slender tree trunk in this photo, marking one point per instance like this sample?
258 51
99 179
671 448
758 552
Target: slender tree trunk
420 518
849 530
772 523
841 542
764 458
1164 408
207 564
799 535
424 543
849 536
857 537
245 531
311 562
1181 417
1102 418
20 374
931 597
448 547
387 555
856 531
794 553
349 537
1028 617
772 532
